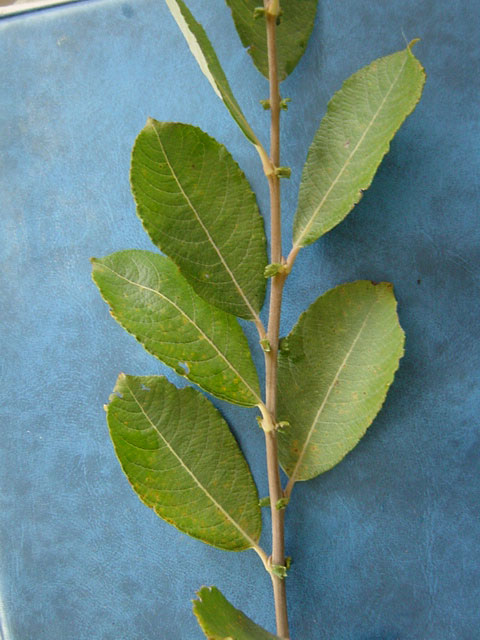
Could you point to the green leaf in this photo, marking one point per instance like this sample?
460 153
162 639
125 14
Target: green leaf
343 354
221 621
293 32
352 139
198 208
182 461
207 59
151 300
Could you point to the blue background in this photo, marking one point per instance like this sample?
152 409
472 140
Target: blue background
385 546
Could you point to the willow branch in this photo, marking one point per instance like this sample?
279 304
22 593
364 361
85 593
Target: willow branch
274 482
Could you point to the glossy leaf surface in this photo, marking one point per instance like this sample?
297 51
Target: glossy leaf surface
334 374
292 33
150 298
198 208
221 621
182 460
352 139
207 59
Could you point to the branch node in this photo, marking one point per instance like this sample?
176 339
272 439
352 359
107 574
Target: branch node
281 503
259 12
283 172
279 570
265 421
275 268
284 104
265 344
273 9
282 425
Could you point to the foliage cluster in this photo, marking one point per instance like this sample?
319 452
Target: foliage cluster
331 372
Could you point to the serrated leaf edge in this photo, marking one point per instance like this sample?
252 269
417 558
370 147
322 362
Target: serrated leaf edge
298 242
401 350
152 122
253 543
96 261
197 603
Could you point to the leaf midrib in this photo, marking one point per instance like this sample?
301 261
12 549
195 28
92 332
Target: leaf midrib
292 479
185 315
225 513
205 230
348 160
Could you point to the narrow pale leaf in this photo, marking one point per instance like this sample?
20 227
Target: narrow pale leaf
333 377
151 300
352 139
182 460
198 208
221 621
292 33
205 55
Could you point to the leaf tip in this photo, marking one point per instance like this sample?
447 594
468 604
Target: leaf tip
202 592
412 43
122 377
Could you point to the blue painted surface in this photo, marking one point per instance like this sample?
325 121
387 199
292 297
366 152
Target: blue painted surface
385 546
